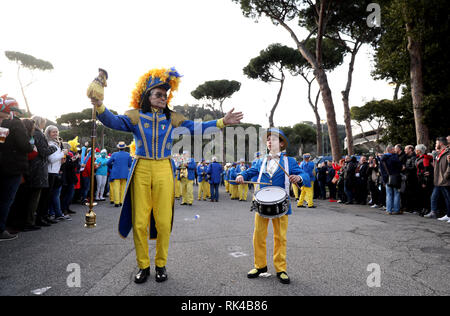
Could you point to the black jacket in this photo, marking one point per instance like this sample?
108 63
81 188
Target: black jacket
14 151
38 175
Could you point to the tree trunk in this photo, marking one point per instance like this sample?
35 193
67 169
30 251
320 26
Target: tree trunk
331 114
415 54
272 112
397 87
319 143
322 80
345 99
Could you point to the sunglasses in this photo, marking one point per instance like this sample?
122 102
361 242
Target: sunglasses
159 95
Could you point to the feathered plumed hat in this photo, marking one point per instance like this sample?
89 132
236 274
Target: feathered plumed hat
168 79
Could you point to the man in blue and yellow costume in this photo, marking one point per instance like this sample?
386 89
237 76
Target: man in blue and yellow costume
149 194
268 171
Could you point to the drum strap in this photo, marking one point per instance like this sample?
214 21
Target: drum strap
286 179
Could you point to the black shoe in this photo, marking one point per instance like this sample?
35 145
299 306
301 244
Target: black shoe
312 206
254 273
142 275
161 274
183 204
116 205
283 277
300 206
111 202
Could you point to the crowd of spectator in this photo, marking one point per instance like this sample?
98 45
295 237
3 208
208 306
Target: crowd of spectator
40 176
401 180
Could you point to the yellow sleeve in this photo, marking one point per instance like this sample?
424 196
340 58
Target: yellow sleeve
101 109
220 123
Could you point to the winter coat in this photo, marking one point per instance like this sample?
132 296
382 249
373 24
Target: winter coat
38 174
442 169
15 149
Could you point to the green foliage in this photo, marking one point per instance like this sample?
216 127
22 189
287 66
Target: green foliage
299 135
276 57
28 61
80 124
217 90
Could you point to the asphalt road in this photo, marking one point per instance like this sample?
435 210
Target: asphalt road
332 250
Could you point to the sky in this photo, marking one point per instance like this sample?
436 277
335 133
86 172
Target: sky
204 39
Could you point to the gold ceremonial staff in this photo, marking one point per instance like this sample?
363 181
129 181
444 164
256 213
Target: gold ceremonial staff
94 92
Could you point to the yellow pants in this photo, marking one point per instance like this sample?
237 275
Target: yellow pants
152 188
234 191
187 191
243 192
177 188
203 188
227 186
280 226
111 191
119 190
208 190
308 194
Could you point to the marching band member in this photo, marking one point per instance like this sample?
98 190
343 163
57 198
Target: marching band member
243 188
120 163
202 180
214 171
307 191
268 170
234 187
149 198
187 177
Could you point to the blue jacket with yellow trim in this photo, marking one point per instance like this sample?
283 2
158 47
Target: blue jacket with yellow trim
202 173
278 178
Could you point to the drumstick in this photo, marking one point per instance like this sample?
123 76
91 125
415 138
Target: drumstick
251 182
285 172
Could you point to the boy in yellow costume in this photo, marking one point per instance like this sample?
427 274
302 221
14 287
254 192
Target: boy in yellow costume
268 170
149 194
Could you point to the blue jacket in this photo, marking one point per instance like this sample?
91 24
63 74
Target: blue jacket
215 171
120 163
200 170
254 164
309 169
279 177
191 167
102 170
232 174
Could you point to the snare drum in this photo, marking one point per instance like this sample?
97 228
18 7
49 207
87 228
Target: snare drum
271 202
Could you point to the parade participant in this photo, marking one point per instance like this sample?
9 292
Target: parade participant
307 191
269 171
187 177
214 171
149 198
176 160
243 188
101 173
202 180
226 177
234 186
120 163
208 188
